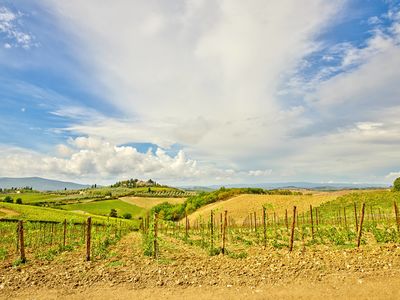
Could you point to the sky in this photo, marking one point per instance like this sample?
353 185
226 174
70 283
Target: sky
200 92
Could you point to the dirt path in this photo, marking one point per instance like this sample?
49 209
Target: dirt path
186 272
368 289
8 212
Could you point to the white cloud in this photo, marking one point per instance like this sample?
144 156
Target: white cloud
203 74
208 75
260 173
15 36
89 159
393 175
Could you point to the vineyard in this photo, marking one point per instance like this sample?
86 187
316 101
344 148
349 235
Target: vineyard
347 222
289 238
28 240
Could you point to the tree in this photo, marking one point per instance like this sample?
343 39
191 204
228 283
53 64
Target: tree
127 216
18 201
113 213
396 185
8 199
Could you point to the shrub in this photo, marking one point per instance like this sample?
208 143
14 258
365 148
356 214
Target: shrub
113 213
18 201
396 185
8 199
127 216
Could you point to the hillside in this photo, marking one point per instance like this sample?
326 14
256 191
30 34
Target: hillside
39 184
241 206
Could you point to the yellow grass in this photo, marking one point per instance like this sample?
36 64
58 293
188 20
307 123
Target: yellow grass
239 207
148 203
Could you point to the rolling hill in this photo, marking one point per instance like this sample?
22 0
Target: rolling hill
39 184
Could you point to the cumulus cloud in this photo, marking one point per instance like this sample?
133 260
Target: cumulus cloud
226 81
90 158
199 73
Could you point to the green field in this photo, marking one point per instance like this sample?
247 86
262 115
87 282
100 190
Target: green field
28 212
34 197
104 207
377 200
50 198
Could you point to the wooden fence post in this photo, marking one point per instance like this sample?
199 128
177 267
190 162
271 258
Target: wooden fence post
312 222
396 213
186 227
65 232
224 232
361 225
211 231
292 232
264 219
17 237
286 220
255 222
155 244
345 217
355 216
21 241
88 237
220 225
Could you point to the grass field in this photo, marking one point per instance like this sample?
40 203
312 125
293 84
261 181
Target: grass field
28 212
104 207
239 207
71 196
380 200
148 202
34 197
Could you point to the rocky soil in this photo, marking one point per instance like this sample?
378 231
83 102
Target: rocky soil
187 272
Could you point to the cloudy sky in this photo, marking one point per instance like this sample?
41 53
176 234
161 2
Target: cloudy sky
201 91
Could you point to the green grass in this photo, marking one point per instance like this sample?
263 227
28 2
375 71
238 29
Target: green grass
28 212
103 208
34 197
51 198
382 200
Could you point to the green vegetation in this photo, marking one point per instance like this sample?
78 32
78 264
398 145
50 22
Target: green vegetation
34 197
8 199
132 183
28 212
127 216
174 212
104 207
396 185
376 200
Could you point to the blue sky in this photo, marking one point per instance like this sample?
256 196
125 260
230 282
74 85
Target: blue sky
206 92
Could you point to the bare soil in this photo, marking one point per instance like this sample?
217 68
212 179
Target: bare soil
186 272
8 212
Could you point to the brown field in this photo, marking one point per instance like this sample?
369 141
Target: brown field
5 212
239 207
148 203
185 272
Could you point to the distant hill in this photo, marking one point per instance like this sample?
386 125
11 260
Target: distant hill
299 185
39 184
